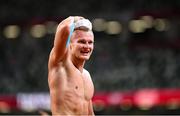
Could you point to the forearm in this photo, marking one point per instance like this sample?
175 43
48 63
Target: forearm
62 36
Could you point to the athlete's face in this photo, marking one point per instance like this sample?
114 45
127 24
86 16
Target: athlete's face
82 44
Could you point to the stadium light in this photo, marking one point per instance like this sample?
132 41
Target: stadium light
51 27
113 27
11 31
38 31
99 24
148 21
137 26
161 24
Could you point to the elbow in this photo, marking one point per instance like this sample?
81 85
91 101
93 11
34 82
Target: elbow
64 29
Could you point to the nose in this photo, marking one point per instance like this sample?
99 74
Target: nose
86 45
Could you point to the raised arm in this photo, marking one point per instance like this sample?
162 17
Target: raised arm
61 40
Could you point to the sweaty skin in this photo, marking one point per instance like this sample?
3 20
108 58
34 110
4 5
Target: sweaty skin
70 85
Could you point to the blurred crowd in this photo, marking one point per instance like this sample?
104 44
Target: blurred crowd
125 61
114 65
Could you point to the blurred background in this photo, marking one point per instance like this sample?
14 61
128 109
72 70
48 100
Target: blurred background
135 66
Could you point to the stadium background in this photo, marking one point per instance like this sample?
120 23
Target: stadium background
135 66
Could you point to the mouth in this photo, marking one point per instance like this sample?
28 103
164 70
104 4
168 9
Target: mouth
85 52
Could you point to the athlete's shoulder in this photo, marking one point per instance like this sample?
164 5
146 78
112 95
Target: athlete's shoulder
86 72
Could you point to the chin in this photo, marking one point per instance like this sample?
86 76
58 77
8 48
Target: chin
84 57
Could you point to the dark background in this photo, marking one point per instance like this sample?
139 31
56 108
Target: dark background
120 62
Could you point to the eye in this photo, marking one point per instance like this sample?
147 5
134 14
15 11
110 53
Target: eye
90 42
82 41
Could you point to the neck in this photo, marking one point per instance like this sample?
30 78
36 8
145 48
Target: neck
78 63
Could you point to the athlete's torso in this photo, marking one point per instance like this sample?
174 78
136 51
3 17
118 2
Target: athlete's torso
70 89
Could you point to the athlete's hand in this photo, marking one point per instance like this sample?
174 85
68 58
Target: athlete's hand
76 18
66 23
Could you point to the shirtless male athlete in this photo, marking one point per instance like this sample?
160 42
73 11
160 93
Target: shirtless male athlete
71 86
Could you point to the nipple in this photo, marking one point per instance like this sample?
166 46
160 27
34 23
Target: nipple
76 87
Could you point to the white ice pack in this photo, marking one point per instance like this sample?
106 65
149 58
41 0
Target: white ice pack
83 23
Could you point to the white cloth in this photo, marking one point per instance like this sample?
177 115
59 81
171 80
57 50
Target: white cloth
83 23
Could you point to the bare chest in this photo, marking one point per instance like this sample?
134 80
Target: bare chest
74 84
71 90
80 85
